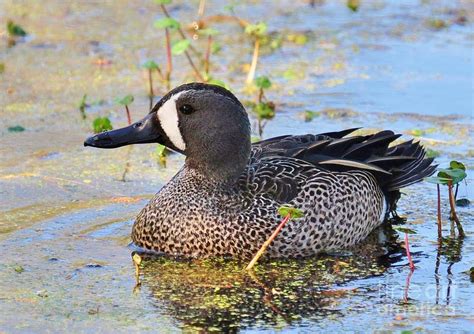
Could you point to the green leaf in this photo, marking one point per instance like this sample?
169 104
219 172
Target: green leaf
353 5
101 124
437 180
215 48
263 82
265 110
166 22
309 115
218 82
151 65
257 30
162 2
430 153
19 269
16 128
125 101
404 229
457 165
455 175
180 47
208 32
15 30
286 210
161 150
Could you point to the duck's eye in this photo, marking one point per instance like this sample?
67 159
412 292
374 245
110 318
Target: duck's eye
186 109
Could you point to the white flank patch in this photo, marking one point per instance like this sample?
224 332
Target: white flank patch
384 210
168 117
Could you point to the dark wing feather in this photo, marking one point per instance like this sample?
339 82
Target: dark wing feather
394 167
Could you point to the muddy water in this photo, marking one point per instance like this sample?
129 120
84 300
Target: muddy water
66 212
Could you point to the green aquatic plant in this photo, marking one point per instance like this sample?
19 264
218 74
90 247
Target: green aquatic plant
14 31
257 32
263 109
82 106
126 101
101 124
453 175
16 128
353 5
287 212
161 154
406 231
2 68
151 66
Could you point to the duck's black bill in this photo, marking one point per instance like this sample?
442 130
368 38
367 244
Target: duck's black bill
141 132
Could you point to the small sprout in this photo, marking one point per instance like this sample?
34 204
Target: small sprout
263 82
82 106
101 124
256 30
19 269
125 101
180 47
255 139
161 153
163 2
215 48
285 210
299 39
417 132
167 23
150 65
15 30
353 5
265 110
218 82
16 128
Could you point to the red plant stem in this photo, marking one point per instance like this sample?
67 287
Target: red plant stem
128 115
151 93
196 71
168 57
454 216
407 286
268 242
208 54
440 232
407 248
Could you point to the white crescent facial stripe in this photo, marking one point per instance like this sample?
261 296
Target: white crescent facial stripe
168 118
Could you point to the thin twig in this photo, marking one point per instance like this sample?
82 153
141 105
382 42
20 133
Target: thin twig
150 84
407 248
453 215
129 118
208 54
268 242
253 65
202 5
440 232
169 67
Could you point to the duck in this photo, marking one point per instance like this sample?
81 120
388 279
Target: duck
224 200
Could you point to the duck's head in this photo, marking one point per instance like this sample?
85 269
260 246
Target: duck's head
206 123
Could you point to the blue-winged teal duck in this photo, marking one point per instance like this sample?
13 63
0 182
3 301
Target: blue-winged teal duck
224 200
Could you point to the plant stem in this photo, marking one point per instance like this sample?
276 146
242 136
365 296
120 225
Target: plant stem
196 71
150 83
128 115
208 54
453 215
253 65
181 33
407 286
440 233
260 95
407 248
268 242
169 67
202 5
456 192
160 73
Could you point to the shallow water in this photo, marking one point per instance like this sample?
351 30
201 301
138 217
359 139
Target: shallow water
66 213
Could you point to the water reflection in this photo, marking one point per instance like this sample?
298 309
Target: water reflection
217 294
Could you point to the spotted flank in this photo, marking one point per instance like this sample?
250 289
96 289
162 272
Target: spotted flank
224 201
